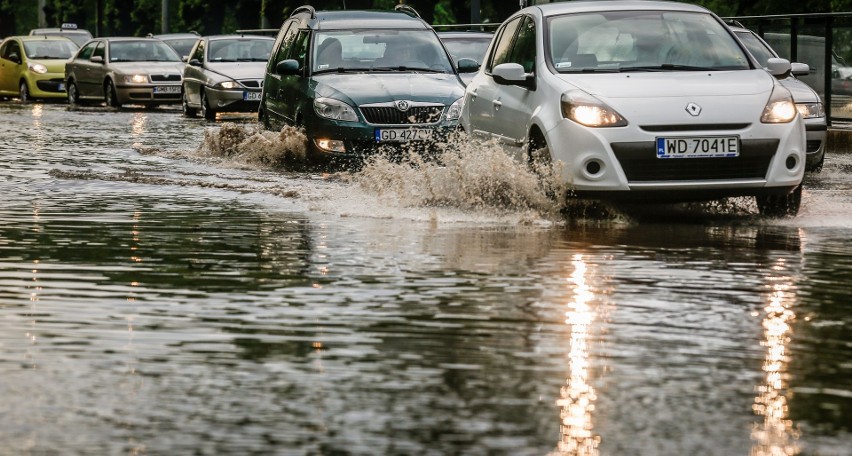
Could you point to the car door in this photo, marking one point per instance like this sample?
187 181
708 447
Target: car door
482 93
294 88
272 84
513 106
193 73
88 72
75 69
8 68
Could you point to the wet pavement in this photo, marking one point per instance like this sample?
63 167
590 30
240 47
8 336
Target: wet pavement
172 286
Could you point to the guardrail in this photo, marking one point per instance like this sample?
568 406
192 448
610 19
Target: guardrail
824 42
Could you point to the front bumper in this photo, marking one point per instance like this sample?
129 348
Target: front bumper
47 85
243 100
816 132
360 141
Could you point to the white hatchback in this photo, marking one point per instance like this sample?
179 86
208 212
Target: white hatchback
655 101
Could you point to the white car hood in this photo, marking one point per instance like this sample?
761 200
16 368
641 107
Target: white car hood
662 97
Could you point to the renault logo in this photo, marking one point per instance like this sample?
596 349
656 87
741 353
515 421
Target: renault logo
693 109
402 105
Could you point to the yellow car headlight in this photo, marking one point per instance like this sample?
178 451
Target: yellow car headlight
37 68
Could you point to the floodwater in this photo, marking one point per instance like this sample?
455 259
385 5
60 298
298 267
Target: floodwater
170 286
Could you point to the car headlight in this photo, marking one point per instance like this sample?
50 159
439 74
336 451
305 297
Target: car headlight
810 110
335 110
454 112
227 85
136 78
37 68
587 110
780 107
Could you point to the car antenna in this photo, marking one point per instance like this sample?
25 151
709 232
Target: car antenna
523 4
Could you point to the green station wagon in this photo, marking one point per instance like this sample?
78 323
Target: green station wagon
360 80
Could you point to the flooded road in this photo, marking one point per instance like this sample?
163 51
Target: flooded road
166 288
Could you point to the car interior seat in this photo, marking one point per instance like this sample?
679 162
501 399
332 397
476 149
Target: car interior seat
330 54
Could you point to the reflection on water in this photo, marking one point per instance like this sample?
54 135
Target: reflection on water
578 396
137 125
775 436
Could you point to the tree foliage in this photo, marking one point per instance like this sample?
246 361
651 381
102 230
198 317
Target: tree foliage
139 17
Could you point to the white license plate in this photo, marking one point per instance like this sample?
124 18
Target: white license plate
167 89
61 86
251 96
699 147
403 134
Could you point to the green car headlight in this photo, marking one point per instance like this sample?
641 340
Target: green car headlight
335 110
454 112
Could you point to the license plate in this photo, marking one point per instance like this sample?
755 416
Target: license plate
699 147
60 87
167 89
251 96
403 134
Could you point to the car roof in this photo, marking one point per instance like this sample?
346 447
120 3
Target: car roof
552 9
352 19
126 38
458 34
237 36
59 30
172 36
28 38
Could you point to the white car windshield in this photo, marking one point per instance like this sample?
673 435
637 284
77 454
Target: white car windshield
642 41
50 49
141 51
379 50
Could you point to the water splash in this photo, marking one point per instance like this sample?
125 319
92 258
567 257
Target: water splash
255 146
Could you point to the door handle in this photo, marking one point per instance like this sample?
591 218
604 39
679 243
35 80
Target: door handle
473 95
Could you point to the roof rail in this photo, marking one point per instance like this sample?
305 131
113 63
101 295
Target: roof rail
305 9
407 9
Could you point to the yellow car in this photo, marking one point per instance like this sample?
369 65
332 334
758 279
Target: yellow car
33 67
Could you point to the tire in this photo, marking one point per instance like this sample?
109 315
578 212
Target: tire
779 206
73 94
24 92
538 155
206 111
111 96
188 111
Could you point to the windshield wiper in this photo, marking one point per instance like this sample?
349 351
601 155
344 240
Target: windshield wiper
405 68
667 67
590 70
341 70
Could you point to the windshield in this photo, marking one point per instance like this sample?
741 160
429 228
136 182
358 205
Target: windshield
49 49
240 50
756 47
181 45
467 48
141 51
642 41
392 50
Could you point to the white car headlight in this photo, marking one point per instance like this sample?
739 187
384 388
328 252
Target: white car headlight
227 85
780 107
587 110
810 110
454 112
335 110
37 68
136 78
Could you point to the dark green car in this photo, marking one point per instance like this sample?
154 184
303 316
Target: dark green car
360 80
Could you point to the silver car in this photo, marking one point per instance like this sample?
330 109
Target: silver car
807 100
225 74
121 71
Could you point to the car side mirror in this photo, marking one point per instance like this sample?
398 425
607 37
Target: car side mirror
513 74
287 67
15 58
800 69
467 65
778 67
184 58
195 62
97 59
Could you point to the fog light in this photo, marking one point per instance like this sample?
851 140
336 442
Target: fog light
330 145
593 168
791 162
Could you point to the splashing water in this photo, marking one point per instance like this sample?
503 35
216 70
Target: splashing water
255 146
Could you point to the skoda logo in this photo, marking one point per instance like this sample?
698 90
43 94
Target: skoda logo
402 105
693 109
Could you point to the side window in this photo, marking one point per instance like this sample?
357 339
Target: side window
99 51
86 52
285 41
523 52
12 47
4 50
504 44
300 48
199 52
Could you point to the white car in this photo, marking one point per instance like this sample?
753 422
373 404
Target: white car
655 101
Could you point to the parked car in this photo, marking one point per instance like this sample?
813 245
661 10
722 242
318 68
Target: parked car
358 80
123 70
182 43
225 73
33 67
807 100
77 35
467 45
644 100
